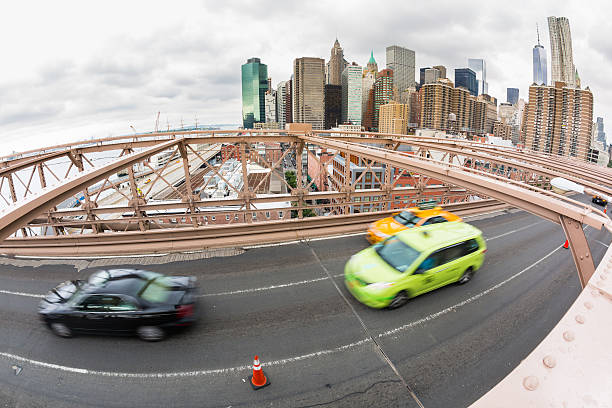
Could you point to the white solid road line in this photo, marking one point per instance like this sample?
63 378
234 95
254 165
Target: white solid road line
281 362
218 371
283 285
513 231
233 292
8 292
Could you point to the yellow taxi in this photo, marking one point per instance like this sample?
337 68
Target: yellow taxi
410 217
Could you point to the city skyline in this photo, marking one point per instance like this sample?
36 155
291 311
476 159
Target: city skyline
63 87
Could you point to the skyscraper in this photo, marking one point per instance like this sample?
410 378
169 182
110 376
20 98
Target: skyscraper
479 66
600 135
561 56
539 63
466 78
436 105
336 64
383 91
393 118
559 120
367 92
281 103
308 91
254 87
367 100
442 70
512 95
372 65
333 105
270 106
352 97
432 75
401 61
422 75
289 102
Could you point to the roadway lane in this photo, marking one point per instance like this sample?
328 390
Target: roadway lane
449 346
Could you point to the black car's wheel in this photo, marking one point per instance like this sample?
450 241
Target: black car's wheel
467 276
60 329
150 333
400 299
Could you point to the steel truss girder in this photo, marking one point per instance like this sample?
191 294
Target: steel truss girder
18 215
579 247
531 200
527 162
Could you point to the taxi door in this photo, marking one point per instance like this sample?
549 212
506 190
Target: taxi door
437 270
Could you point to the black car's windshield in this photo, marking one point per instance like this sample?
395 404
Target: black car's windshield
407 218
397 253
62 292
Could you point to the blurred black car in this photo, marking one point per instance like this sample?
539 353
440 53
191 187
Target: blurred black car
121 301
599 200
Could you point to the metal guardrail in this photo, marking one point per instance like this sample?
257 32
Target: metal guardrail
216 236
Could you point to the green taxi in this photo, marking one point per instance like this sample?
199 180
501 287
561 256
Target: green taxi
413 262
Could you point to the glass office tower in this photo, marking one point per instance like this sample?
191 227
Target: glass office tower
466 78
539 65
254 87
479 66
512 95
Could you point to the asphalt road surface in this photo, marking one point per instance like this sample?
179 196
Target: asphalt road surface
319 347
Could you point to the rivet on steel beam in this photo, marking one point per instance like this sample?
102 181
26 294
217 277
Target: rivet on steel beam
587 255
531 383
595 292
568 336
588 305
580 319
549 361
581 257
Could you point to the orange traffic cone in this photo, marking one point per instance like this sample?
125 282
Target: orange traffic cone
566 245
258 379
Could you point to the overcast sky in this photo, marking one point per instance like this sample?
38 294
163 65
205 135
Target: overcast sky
74 70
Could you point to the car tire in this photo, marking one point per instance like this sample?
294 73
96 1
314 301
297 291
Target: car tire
60 329
150 333
400 299
467 276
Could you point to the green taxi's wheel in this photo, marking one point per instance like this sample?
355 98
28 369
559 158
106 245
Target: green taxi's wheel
400 299
467 276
